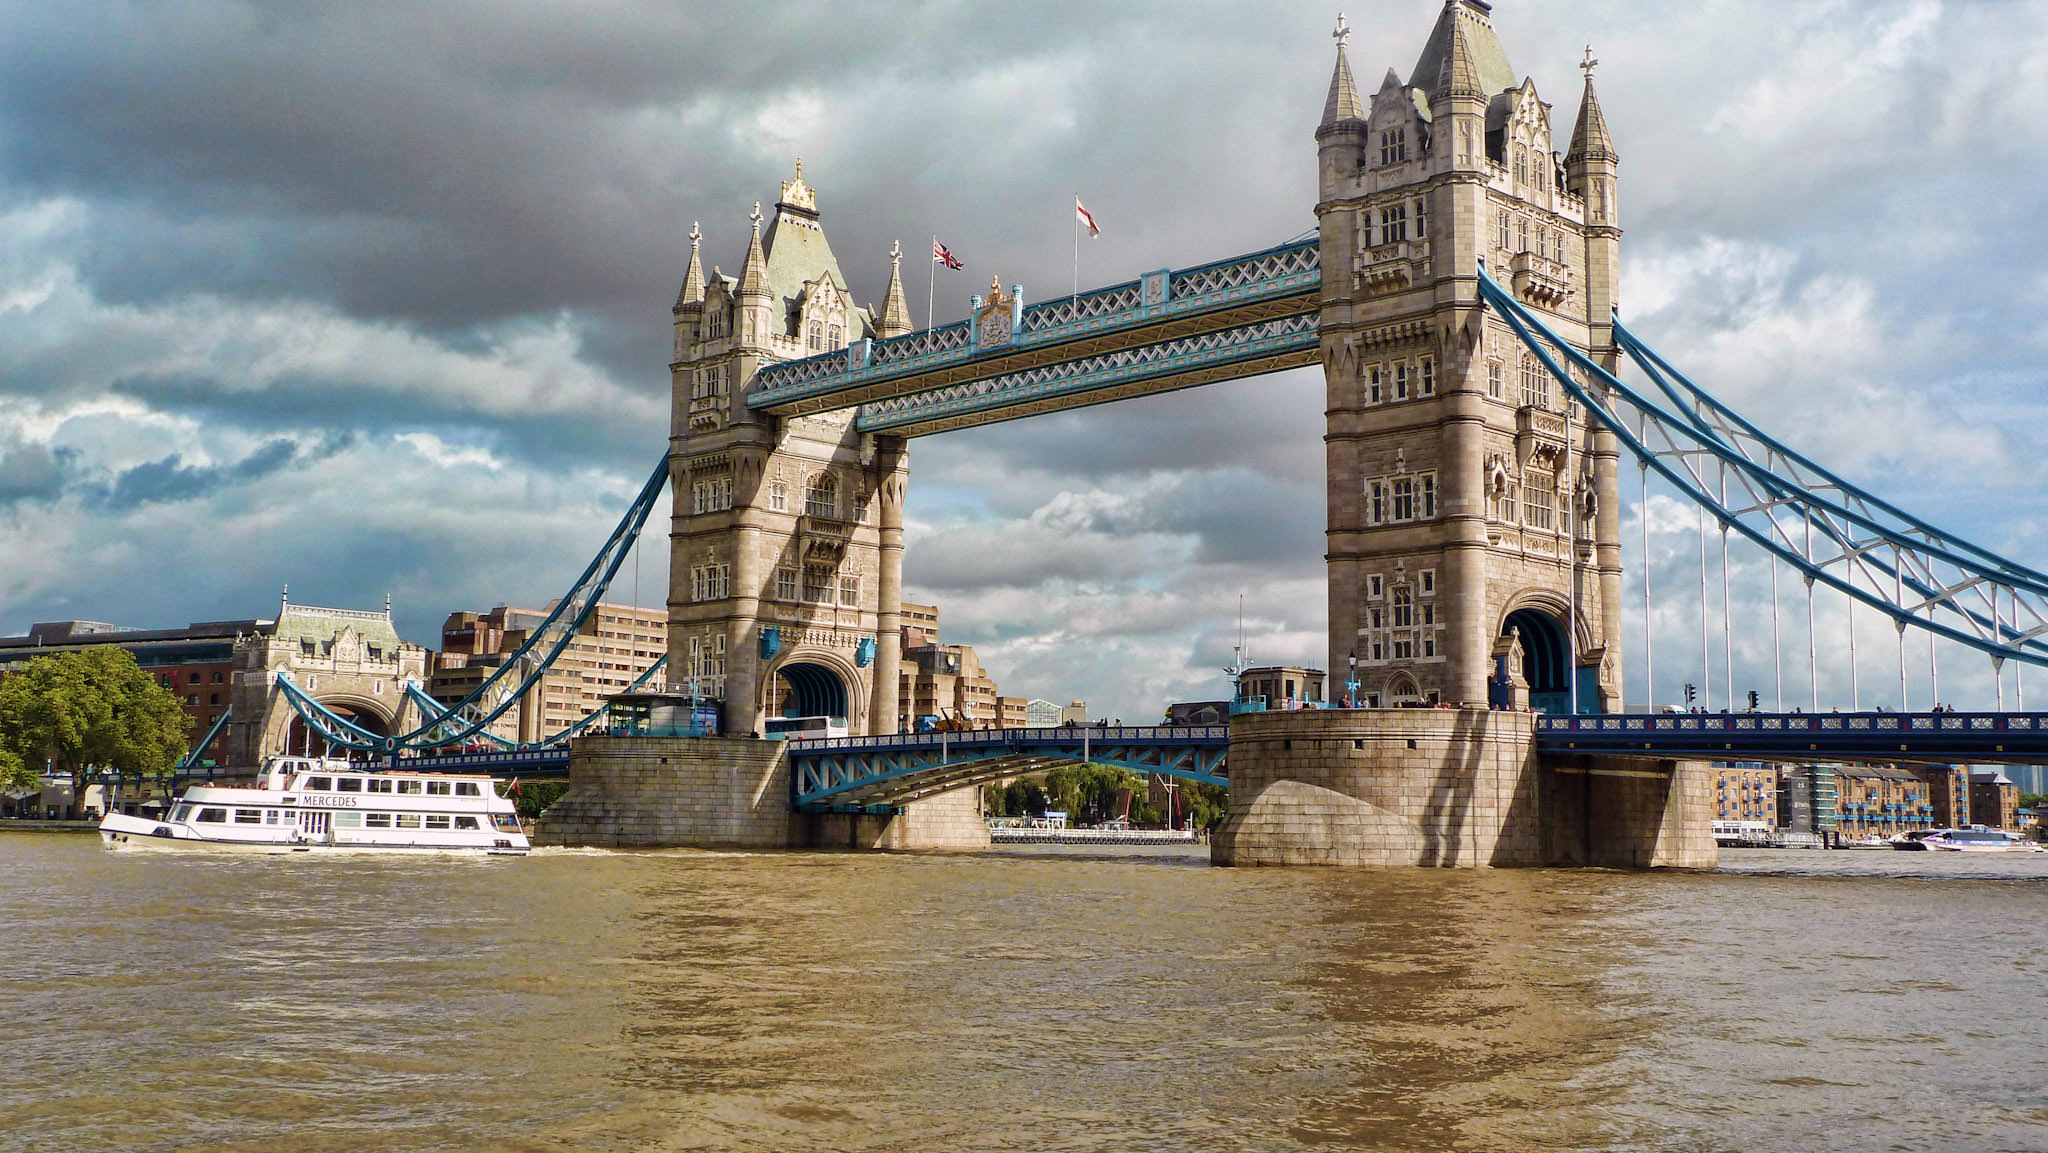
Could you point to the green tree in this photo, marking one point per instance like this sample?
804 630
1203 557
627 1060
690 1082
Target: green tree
1092 793
91 711
14 774
2033 800
532 798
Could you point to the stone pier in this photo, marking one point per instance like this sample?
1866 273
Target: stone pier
1448 788
730 793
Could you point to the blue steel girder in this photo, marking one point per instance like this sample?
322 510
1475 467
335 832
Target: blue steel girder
1186 362
869 771
1156 308
1931 738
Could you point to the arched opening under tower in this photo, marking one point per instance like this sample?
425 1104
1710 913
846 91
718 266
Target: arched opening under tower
806 689
304 740
1545 658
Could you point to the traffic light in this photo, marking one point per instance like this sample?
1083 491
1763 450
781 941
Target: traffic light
1752 700
1690 692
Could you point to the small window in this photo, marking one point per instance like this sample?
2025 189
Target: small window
376 820
348 785
1426 377
778 497
1428 579
270 816
319 784
437 788
248 816
1375 585
466 789
348 820
213 816
184 813
377 785
466 823
437 820
1496 386
1373 384
406 821
216 678
504 821
410 786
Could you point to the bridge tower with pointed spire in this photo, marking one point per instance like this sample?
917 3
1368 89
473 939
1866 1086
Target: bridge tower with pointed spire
1473 537
786 545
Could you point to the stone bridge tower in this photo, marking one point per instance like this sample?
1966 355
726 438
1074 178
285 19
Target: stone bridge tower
1474 548
786 546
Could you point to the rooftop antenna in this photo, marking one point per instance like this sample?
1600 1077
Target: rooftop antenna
1236 666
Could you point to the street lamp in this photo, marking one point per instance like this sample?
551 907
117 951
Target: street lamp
1351 685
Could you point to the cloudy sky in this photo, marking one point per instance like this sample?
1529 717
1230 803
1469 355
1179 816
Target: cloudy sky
371 298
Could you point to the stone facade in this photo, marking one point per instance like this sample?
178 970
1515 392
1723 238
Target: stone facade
655 792
1448 788
786 547
350 660
1470 506
730 793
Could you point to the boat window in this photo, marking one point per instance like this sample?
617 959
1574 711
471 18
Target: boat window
248 816
437 788
214 816
466 789
504 821
184 813
376 820
466 823
318 784
348 820
270 816
378 785
408 821
348 785
409 786
437 820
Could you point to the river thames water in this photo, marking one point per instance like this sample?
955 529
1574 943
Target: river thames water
1030 1000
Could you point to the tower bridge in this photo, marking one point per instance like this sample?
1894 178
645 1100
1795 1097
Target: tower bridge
1460 295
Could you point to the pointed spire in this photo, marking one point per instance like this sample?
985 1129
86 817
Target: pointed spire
693 276
754 276
895 320
1343 103
1590 141
1459 75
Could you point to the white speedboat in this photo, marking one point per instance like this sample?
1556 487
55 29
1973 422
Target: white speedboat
299 804
1978 839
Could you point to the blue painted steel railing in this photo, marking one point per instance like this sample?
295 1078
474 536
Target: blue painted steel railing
1289 270
1070 378
1936 738
872 772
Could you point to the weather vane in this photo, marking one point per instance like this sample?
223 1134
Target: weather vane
1342 34
756 216
695 235
895 252
1588 64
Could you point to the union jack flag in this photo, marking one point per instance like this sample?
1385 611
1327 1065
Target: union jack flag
943 255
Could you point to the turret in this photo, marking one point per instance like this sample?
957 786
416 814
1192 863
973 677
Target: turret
895 318
1340 138
1591 171
755 299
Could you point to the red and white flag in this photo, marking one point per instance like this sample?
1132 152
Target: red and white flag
943 255
1087 221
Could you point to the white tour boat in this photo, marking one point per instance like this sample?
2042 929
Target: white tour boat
301 804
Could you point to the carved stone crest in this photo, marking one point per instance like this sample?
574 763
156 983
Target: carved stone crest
992 319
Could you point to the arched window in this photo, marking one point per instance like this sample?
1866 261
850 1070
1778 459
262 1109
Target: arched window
835 338
1521 165
821 497
817 336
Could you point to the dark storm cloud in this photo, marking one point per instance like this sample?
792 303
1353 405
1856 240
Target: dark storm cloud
33 472
171 479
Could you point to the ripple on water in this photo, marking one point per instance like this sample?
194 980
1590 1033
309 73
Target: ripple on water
1033 1000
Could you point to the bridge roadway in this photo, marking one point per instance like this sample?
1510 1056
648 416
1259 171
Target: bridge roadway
1167 330
1931 738
879 773
850 774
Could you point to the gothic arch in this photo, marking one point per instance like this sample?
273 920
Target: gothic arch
824 661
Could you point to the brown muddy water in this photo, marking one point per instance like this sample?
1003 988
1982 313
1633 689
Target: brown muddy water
1026 1000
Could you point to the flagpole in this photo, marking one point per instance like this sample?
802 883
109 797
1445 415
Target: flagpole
1077 247
931 280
